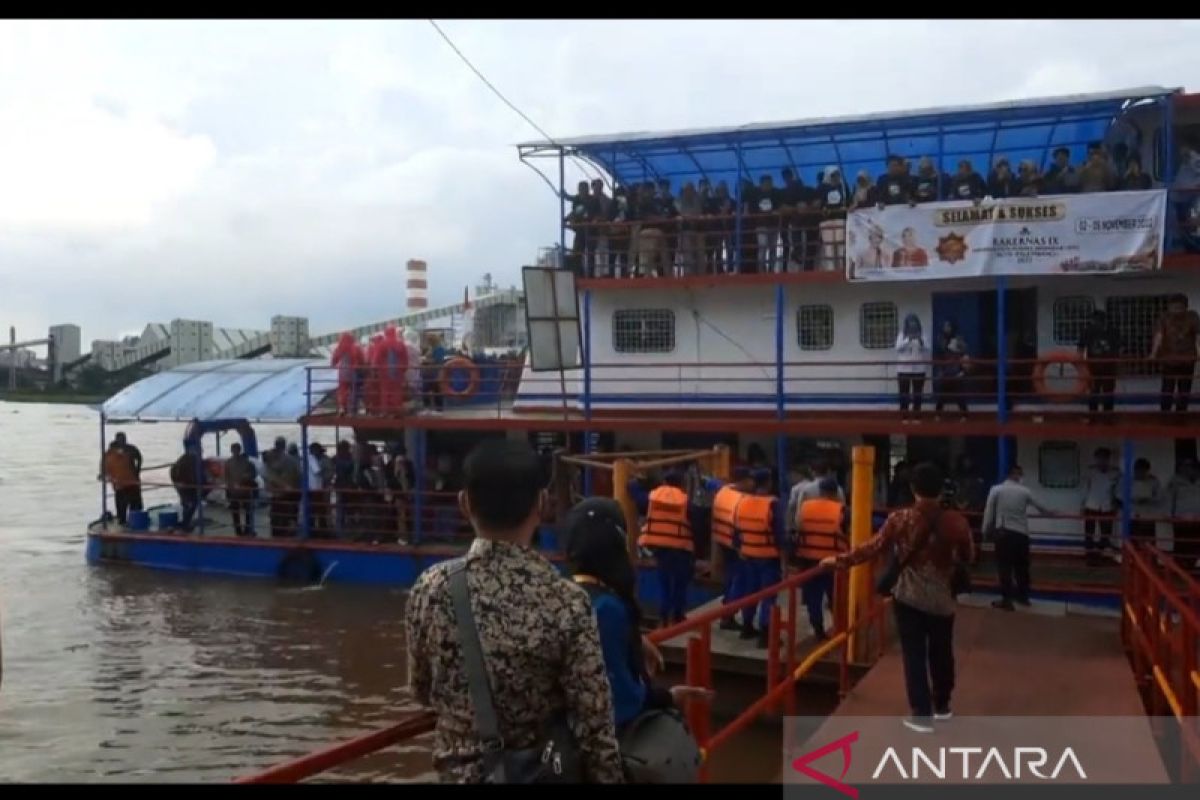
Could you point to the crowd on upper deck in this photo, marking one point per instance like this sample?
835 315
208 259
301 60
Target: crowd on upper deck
646 229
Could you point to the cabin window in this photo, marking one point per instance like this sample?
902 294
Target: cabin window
1071 318
644 330
878 325
1134 319
1058 465
814 327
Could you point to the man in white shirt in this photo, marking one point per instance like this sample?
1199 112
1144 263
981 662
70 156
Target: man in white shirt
318 494
809 488
1099 506
1006 517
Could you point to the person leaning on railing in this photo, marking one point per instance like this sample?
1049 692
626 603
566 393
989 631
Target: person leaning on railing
537 634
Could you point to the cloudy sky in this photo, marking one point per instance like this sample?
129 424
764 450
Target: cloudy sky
234 170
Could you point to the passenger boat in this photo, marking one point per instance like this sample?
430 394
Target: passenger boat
778 344
795 363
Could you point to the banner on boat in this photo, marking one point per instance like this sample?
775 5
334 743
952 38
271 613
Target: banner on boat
1060 235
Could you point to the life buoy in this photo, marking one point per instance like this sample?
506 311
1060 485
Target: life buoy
446 377
389 367
1060 359
299 565
215 468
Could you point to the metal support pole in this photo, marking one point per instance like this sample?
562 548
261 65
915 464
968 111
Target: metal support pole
736 255
780 407
1126 488
1168 169
562 209
305 521
780 304
938 167
103 477
1002 456
199 484
587 354
419 489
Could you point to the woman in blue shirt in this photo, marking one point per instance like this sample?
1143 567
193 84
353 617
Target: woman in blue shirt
597 553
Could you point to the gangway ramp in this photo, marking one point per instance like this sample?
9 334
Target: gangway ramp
1042 663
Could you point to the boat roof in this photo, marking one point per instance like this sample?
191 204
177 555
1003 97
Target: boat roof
1017 129
258 390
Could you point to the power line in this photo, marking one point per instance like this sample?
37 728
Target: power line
579 162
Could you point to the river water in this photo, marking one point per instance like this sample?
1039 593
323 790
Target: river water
125 674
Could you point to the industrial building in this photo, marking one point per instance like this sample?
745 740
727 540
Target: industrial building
494 319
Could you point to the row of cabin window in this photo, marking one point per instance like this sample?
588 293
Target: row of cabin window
652 330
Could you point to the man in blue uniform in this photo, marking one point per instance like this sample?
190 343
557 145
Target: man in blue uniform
726 499
762 547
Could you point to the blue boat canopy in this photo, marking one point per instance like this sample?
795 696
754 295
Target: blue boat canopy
1024 129
259 390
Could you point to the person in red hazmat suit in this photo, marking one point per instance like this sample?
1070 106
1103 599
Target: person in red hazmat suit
389 365
347 358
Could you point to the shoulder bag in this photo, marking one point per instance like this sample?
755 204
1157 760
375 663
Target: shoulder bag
554 759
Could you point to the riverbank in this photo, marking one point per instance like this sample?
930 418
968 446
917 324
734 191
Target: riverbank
58 398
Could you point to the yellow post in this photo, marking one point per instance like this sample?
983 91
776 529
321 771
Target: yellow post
861 502
622 472
722 462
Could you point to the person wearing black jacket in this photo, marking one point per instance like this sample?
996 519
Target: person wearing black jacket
1100 344
1002 183
1061 178
894 187
831 194
927 182
795 200
718 247
766 204
967 184
1134 180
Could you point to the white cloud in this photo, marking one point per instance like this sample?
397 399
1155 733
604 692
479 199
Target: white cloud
79 168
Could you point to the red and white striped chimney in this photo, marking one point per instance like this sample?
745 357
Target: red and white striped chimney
418 286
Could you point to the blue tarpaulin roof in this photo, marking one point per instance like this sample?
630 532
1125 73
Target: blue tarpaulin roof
260 390
1027 129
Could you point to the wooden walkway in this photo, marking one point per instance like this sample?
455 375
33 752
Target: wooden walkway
1041 662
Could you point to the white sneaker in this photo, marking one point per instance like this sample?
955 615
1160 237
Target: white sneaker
942 716
918 724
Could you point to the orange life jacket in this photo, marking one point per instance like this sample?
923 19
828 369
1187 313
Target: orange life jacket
724 509
819 521
118 468
666 520
753 521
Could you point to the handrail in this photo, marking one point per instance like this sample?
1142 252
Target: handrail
322 760
698 671
1160 628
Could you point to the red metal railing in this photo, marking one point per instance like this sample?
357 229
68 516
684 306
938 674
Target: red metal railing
785 668
1160 628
